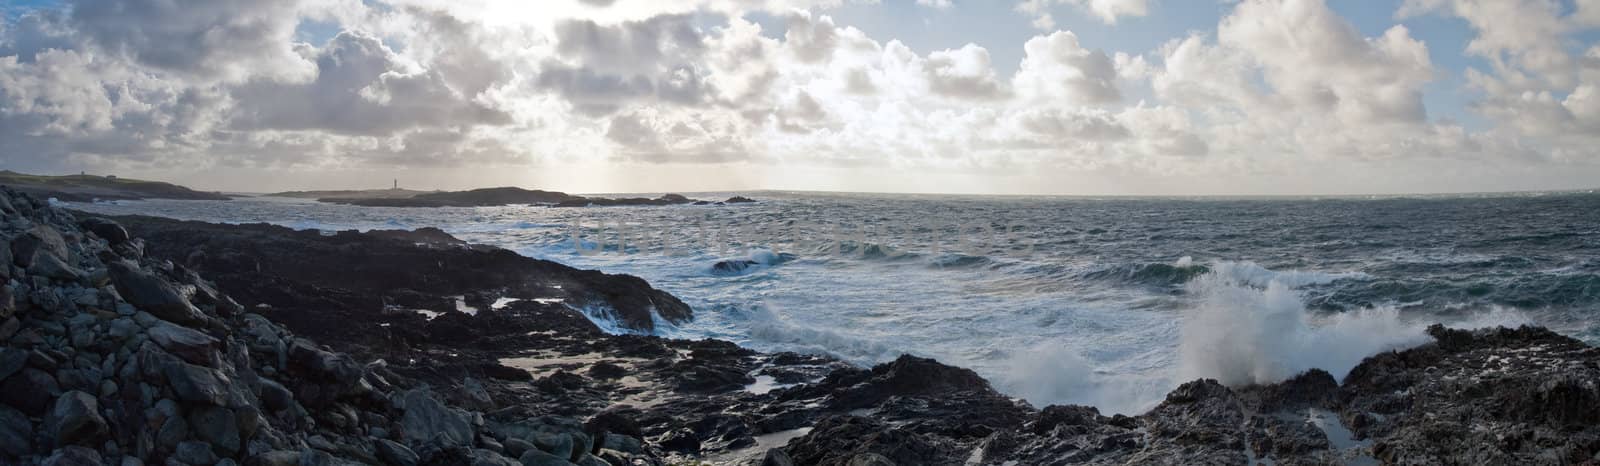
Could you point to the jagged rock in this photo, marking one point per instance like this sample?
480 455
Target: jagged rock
482 457
75 419
46 265
837 440
152 294
394 453
73 456
429 422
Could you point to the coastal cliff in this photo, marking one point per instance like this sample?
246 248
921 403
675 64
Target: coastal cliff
140 340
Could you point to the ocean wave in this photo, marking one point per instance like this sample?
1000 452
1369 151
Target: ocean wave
753 260
1155 274
1244 332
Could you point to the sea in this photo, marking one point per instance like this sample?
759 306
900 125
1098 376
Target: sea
1109 302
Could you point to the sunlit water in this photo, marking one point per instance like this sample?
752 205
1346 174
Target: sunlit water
1117 302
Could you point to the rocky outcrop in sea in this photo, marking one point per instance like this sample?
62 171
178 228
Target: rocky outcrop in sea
150 341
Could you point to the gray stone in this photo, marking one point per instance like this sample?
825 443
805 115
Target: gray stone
196 383
73 456
558 444
275 458
540 458
16 432
427 421
194 452
590 460
514 447
186 343
482 457
218 426
46 265
869 459
39 241
76 420
392 452
776 457
108 230
622 443
152 294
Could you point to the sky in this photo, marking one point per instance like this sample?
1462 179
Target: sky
1088 97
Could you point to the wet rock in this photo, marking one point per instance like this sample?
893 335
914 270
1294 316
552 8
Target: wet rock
392 452
37 242
152 294
75 419
776 457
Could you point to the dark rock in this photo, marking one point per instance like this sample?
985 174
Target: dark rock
16 432
193 452
615 421
186 343
73 456
11 361
198 383
739 200
217 426
41 240
607 371
837 440
76 420
392 452
152 294
540 458
106 229
29 391
429 422
776 457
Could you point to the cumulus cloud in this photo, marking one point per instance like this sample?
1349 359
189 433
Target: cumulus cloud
1056 66
1107 11
964 73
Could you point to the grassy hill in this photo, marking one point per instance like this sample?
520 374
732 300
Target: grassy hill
87 188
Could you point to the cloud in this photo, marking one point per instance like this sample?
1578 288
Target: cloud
224 39
1056 66
937 4
1107 11
963 73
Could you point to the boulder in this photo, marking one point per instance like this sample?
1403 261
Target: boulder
217 426
189 344
193 452
198 383
153 294
394 453
429 422
41 240
75 419
108 230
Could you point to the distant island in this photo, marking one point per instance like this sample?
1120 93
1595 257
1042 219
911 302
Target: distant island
89 188
487 197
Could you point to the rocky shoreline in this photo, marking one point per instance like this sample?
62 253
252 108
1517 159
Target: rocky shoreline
140 340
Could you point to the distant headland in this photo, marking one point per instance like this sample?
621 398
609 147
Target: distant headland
89 188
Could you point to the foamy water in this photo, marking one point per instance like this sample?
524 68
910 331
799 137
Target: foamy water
1105 302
